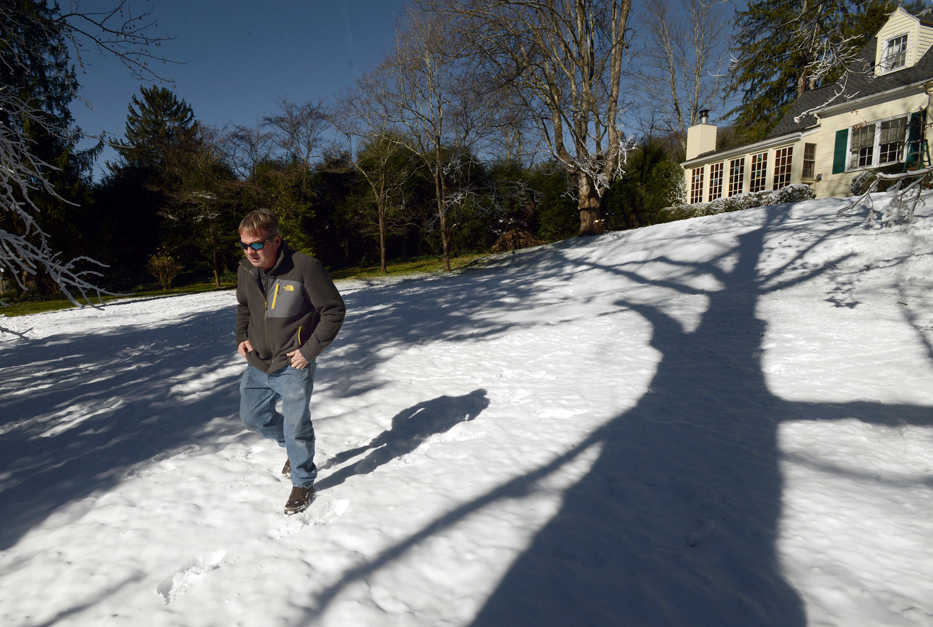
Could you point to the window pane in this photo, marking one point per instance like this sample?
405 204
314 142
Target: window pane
809 161
861 146
891 142
783 159
895 53
736 176
759 172
893 130
715 181
696 188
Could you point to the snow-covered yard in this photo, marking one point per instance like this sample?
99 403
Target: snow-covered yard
720 421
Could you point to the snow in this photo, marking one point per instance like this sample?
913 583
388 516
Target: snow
719 421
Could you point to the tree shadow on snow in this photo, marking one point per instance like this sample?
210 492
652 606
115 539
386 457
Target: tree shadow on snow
463 306
410 427
677 521
78 412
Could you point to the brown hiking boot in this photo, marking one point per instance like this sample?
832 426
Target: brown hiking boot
298 500
287 468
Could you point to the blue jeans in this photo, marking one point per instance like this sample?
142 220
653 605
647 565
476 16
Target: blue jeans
259 392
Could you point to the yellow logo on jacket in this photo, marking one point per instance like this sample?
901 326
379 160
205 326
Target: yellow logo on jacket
289 288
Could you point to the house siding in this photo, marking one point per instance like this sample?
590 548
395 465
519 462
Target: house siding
829 124
825 139
825 183
900 23
924 41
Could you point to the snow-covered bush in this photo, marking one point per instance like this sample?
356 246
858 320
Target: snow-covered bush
791 193
859 184
908 188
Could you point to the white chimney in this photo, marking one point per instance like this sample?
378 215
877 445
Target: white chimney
701 137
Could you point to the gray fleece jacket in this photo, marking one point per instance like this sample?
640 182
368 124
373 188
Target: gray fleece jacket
292 305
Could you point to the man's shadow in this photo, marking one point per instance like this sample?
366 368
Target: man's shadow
410 427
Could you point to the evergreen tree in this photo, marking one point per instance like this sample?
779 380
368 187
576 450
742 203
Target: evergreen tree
653 180
155 124
199 214
139 195
46 174
781 46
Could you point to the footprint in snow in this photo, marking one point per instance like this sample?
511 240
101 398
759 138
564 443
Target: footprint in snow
188 575
318 513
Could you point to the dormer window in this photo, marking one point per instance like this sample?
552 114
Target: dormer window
895 54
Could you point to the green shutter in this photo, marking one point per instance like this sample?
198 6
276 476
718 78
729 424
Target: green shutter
914 137
839 154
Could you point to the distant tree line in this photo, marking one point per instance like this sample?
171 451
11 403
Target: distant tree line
492 124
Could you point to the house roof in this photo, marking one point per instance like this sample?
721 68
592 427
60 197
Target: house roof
925 16
860 84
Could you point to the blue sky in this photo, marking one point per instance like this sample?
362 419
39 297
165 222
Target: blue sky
240 58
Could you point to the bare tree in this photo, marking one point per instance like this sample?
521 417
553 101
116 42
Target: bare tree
433 102
365 118
24 246
244 148
563 60
297 130
685 60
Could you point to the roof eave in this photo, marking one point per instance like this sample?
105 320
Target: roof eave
875 98
788 138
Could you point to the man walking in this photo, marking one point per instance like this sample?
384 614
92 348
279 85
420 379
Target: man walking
288 311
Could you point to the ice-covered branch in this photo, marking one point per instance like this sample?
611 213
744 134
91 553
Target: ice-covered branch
839 91
30 30
902 205
23 175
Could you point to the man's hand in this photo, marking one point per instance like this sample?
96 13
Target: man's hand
243 348
297 359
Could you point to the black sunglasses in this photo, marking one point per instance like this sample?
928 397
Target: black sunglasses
254 245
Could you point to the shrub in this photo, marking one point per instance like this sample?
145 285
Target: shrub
514 239
863 180
792 193
163 267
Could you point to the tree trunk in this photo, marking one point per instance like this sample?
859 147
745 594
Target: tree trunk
380 209
215 267
440 192
445 240
591 222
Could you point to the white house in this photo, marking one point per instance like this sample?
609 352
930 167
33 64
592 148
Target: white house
882 119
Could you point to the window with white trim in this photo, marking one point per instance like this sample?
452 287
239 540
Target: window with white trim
715 181
809 161
878 143
895 53
759 173
891 138
736 176
783 157
861 146
696 186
